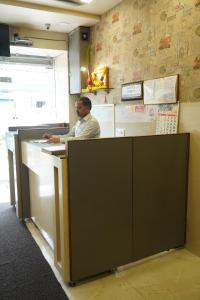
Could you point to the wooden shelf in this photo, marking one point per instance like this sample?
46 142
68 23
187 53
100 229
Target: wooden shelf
107 90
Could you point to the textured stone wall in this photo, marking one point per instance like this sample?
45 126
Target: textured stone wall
145 39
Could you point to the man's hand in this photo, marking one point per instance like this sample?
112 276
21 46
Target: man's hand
51 138
46 136
54 139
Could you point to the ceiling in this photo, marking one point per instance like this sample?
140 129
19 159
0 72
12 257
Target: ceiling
62 17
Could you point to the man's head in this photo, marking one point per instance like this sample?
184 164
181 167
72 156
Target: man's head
83 106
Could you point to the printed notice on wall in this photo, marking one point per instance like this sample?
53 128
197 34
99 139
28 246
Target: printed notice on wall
161 90
167 119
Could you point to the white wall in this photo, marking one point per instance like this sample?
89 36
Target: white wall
42 38
61 87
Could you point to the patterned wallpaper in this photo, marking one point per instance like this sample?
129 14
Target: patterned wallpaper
145 39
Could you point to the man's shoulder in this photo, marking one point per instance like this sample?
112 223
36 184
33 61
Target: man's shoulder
93 119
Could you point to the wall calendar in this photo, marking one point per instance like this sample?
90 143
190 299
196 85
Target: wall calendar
167 119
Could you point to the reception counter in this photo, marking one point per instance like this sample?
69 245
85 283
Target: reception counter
48 186
17 173
103 203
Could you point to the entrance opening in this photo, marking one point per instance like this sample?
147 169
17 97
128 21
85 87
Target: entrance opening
28 96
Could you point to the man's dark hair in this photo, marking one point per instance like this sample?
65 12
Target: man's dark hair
86 102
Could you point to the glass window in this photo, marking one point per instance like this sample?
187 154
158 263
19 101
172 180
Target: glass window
29 91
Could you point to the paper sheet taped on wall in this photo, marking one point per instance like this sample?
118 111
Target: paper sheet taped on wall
105 114
131 114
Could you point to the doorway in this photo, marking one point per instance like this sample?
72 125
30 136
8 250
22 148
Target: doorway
27 97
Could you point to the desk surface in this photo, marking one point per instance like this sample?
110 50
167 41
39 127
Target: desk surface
55 149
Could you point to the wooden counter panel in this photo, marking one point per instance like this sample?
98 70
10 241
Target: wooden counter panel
42 202
49 201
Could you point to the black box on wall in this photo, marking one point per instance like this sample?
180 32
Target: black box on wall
4 40
78 59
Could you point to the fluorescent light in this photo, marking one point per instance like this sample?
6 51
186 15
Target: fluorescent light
83 69
86 1
64 23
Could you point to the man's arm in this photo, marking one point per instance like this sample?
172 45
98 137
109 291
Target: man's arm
63 138
91 130
56 139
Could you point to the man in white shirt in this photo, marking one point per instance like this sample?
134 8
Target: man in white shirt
86 127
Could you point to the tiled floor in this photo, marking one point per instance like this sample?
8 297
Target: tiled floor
173 275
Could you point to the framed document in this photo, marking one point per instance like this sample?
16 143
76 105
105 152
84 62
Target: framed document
132 91
161 91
